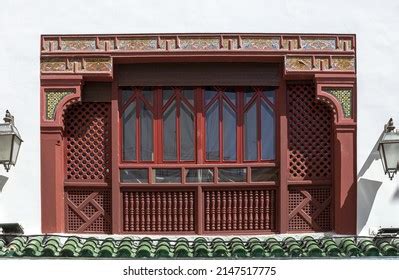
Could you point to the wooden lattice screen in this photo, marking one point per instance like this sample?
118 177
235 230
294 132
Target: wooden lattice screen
87 142
310 159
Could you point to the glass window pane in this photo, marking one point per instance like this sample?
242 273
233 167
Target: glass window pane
129 132
250 134
231 95
248 95
167 175
270 95
268 132
209 94
189 95
126 93
199 175
148 95
212 132
186 133
232 174
134 176
146 132
264 174
166 94
169 133
229 133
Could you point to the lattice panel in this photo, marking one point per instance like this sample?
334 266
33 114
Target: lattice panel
310 208
158 211
88 211
309 134
87 134
240 210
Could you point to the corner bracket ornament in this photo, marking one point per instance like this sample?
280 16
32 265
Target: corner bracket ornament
344 97
53 98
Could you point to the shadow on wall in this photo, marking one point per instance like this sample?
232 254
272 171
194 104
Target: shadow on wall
367 189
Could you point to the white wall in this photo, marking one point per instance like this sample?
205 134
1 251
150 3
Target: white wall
375 23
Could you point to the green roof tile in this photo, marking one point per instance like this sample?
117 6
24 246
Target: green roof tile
256 247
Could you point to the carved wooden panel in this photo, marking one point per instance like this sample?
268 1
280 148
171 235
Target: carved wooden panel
158 211
310 208
231 210
309 134
88 141
88 211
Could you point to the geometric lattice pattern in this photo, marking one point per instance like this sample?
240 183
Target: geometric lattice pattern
54 97
344 96
240 210
88 211
158 211
309 134
310 208
88 142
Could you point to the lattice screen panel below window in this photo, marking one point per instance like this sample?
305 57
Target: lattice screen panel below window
88 211
310 208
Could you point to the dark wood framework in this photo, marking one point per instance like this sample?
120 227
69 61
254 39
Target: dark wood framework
328 61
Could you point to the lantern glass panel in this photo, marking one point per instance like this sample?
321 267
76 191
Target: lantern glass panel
5 147
392 155
15 150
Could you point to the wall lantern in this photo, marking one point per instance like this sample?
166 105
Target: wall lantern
389 149
10 142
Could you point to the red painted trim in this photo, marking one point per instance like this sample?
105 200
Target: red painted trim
115 158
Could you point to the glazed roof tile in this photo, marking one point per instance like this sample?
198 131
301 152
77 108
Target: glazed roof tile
256 247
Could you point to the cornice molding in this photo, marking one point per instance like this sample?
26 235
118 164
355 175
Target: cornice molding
90 55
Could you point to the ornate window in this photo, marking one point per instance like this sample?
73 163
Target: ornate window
228 116
198 133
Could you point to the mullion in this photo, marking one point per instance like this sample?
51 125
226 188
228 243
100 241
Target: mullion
258 127
178 100
221 127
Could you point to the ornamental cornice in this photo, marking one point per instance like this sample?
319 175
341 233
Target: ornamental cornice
93 54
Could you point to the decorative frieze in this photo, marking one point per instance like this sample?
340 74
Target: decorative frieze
320 63
199 43
261 43
302 53
75 44
137 44
344 97
298 64
343 63
76 65
53 98
319 44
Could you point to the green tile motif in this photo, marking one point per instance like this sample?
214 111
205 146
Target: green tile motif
53 97
344 96
90 247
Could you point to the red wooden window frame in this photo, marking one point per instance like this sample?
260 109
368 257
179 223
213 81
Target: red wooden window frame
199 110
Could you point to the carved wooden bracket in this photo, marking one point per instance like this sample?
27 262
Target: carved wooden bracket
339 92
57 93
